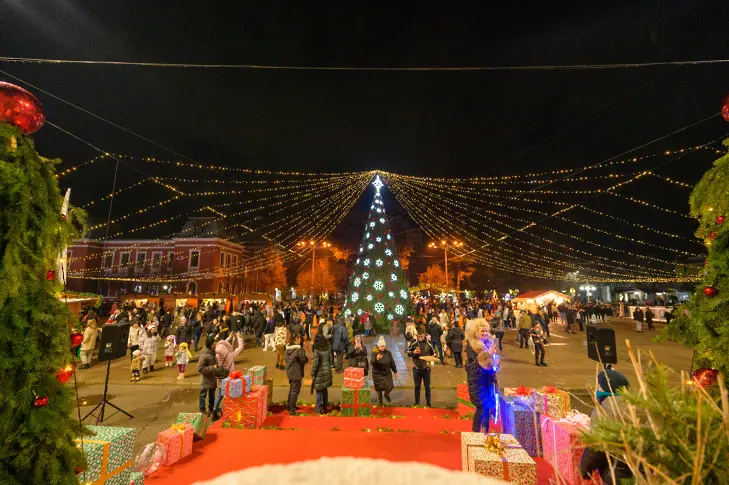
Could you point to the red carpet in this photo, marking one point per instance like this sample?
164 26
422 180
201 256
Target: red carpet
396 434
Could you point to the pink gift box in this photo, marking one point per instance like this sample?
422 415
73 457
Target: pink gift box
354 383
562 447
177 441
354 373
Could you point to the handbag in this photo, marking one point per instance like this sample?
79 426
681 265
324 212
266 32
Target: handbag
220 372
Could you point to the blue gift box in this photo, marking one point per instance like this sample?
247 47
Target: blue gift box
520 419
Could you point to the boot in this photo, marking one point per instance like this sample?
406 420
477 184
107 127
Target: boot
151 368
379 398
387 397
145 370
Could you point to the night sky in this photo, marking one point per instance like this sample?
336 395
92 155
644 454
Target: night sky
419 123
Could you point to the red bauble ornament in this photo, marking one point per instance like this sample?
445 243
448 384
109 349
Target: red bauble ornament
720 219
40 401
710 291
725 108
76 338
20 108
78 470
51 275
64 374
712 235
705 376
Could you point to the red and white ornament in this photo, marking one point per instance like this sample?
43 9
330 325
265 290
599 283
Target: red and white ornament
64 374
710 291
704 376
40 401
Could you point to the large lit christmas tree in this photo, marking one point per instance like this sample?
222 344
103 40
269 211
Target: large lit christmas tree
703 323
378 285
37 430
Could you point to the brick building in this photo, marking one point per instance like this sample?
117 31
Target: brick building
201 259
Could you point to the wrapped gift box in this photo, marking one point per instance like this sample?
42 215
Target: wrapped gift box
264 389
354 373
521 393
198 421
522 421
236 384
512 464
354 383
137 478
551 401
178 442
562 446
258 375
465 406
247 411
356 402
108 455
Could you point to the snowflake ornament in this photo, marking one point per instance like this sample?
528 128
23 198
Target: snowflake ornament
382 220
379 263
388 252
379 307
368 298
372 224
378 285
365 275
366 262
390 316
357 282
355 297
396 263
370 246
403 294
393 277
378 239
399 309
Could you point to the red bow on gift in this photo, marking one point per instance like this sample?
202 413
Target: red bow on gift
235 374
522 391
550 389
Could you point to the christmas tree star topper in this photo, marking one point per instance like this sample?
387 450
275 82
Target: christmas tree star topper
378 184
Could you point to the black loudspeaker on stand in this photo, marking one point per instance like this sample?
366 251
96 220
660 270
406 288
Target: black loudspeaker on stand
114 337
601 344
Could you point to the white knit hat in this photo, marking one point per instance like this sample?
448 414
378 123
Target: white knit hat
381 342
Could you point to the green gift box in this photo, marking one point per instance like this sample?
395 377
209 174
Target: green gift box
137 478
258 375
356 402
198 421
108 455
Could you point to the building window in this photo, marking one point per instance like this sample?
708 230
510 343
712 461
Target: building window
108 260
170 260
156 261
222 260
192 287
229 259
235 261
140 261
194 259
220 287
124 260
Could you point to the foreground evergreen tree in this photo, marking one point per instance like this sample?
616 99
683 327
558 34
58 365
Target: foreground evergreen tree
378 285
36 440
703 323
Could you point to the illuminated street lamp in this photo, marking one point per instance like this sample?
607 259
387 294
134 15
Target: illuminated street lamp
588 289
313 246
445 245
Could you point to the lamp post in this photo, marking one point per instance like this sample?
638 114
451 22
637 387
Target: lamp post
445 245
588 289
313 246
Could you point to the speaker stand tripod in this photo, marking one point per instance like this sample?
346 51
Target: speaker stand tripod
105 402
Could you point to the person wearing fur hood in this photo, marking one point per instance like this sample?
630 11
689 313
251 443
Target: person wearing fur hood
482 364
225 356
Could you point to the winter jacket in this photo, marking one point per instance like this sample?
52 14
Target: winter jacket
183 358
137 362
321 369
134 335
183 333
358 358
524 322
480 381
326 330
280 336
206 366
89 341
340 337
296 359
434 330
454 339
594 460
382 370
350 331
170 348
149 345
270 327
426 349
225 354
259 323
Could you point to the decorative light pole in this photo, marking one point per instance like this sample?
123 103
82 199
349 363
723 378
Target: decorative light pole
588 289
445 245
313 246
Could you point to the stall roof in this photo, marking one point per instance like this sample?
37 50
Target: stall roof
533 295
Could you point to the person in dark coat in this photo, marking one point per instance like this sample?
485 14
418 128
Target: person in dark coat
421 368
435 331
296 359
638 317
321 372
196 329
259 325
649 318
383 367
358 357
611 383
454 341
340 339
481 368
183 333
208 383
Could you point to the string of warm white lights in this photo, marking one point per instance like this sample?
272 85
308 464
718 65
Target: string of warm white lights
410 189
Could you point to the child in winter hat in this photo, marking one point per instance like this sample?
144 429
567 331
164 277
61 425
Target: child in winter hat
183 358
170 346
136 366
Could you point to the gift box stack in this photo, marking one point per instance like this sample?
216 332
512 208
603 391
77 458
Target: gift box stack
498 456
562 446
356 402
465 406
177 440
258 375
522 394
236 384
198 421
108 455
520 419
354 377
